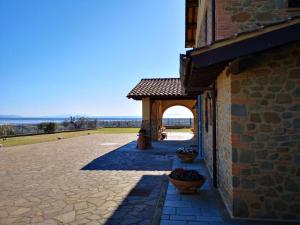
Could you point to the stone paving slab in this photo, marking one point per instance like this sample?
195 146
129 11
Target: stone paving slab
130 160
204 208
45 184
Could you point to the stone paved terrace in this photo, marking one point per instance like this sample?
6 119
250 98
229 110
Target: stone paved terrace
90 180
204 208
81 180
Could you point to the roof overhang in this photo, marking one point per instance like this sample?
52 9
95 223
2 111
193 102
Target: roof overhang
200 67
159 89
139 97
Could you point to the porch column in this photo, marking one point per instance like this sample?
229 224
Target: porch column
146 113
155 119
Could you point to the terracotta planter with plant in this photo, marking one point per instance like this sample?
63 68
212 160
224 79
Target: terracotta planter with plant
142 141
187 155
186 181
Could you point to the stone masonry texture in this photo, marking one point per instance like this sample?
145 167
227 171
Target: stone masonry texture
235 16
224 156
258 135
266 138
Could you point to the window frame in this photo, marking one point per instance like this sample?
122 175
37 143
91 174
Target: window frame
291 9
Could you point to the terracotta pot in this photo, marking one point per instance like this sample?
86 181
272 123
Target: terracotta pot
142 142
187 187
187 157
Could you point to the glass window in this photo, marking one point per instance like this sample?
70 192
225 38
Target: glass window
294 3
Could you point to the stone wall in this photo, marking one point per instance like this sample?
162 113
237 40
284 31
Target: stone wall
209 20
265 111
224 158
206 30
234 16
258 135
224 153
201 34
207 134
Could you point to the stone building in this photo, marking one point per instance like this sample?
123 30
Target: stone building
245 63
208 21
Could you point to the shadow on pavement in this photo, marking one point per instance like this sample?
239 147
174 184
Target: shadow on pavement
143 204
128 157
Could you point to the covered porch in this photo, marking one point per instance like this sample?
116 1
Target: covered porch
158 95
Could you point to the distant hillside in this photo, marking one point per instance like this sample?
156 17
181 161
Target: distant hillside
67 116
10 116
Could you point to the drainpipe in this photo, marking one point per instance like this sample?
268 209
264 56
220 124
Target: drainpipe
200 148
214 137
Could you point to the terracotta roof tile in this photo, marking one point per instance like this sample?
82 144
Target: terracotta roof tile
157 87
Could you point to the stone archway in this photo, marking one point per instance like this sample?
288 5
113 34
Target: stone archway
158 107
178 121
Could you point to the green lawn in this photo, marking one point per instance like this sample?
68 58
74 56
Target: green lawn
25 140
179 130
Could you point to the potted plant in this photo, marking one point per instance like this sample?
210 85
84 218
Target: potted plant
142 141
186 181
187 154
162 133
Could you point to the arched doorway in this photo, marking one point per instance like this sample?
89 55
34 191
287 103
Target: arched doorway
178 123
158 109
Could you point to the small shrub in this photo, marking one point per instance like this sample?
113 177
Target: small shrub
65 124
6 130
142 131
80 123
186 175
92 124
48 128
187 151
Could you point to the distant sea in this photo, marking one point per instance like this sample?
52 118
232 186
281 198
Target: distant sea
36 120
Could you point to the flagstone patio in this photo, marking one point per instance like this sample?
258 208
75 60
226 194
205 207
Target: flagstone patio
49 184
100 179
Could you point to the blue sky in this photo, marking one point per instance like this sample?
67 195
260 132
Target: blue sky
83 57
